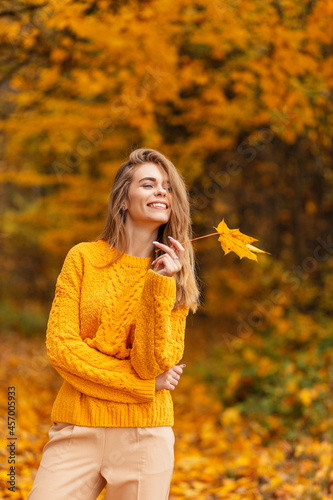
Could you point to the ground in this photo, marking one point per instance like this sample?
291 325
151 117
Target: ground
219 454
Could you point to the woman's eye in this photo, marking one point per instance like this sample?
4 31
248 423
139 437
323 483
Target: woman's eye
150 185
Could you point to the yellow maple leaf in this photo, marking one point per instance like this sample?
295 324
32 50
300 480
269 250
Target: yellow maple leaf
232 240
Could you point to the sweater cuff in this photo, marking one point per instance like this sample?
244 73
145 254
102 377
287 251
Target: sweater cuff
147 391
156 284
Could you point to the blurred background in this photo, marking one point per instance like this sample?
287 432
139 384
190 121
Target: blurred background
238 94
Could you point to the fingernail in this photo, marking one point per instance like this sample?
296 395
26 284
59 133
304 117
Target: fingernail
155 242
153 262
171 238
183 365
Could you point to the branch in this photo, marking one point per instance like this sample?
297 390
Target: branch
26 9
277 5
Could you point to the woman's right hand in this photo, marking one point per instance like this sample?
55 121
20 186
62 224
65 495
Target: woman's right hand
169 379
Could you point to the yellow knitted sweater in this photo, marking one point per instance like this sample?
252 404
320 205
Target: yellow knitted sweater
111 331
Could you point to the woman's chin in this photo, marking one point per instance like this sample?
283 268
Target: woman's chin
162 218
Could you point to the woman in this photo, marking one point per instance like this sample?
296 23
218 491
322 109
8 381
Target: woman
115 334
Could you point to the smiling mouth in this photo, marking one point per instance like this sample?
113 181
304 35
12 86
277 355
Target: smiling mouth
161 206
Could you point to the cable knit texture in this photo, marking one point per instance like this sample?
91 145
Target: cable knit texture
110 332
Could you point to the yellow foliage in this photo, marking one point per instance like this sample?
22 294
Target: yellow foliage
306 396
218 453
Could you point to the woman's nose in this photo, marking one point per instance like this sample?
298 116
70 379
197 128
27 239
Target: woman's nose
161 190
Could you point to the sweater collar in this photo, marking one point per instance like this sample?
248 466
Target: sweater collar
127 259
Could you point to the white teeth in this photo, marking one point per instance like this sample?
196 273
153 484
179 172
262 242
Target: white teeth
157 205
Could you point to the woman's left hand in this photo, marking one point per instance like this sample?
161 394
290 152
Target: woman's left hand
171 261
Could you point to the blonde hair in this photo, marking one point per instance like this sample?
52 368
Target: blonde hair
178 226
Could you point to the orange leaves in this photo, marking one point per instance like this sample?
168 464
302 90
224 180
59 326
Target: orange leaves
264 56
219 452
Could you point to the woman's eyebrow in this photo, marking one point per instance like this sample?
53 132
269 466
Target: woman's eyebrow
152 179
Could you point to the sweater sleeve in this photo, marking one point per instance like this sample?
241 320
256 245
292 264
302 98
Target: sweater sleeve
159 332
88 370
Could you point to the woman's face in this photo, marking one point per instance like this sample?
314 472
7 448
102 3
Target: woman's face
149 196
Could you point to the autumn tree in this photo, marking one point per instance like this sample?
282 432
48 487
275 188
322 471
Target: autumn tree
238 94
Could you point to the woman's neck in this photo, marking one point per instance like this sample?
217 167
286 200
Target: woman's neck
140 240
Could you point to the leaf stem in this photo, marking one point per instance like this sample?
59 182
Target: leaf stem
200 237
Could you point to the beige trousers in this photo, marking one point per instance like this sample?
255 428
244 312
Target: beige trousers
134 463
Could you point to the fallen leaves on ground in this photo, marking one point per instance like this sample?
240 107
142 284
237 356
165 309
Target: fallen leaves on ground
219 454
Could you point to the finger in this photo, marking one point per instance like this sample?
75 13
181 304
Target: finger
169 262
170 255
173 382
157 261
176 244
176 376
178 370
167 249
